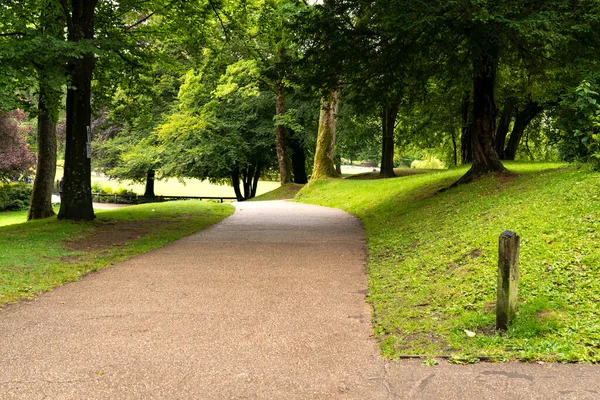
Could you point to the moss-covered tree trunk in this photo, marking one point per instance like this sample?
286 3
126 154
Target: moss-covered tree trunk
76 203
41 196
324 165
388 122
280 138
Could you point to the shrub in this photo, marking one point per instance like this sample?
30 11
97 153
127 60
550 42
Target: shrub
428 162
15 196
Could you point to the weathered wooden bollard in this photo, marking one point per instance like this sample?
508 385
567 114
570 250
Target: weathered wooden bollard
508 279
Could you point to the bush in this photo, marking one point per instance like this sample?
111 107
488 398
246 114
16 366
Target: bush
15 196
428 162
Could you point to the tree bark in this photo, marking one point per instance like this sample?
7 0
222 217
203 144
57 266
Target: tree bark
466 151
76 203
454 148
41 196
388 122
485 159
149 192
503 125
324 165
280 138
49 96
235 182
255 180
531 110
298 160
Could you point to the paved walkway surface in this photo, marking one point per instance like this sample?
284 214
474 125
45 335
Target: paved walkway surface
268 304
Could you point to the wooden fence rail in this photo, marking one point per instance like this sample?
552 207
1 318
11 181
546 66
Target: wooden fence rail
134 199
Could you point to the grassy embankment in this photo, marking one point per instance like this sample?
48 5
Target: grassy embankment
433 261
39 255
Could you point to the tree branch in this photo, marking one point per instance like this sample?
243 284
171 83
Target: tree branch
68 17
220 20
13 34
141 21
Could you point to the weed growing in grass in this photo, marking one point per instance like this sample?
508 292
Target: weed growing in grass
433 260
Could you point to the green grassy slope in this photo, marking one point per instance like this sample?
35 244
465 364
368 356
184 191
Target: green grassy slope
39 255
433 260
284 192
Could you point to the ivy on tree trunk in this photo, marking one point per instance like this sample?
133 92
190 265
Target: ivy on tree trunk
324 165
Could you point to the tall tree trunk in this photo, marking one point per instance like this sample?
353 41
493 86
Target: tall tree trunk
49 97
235 182
76 201
388 122
323 165
255 180
454 148
280 139
485 159
531 110
503 125
298 160
247 180
466 151
41 196
149 192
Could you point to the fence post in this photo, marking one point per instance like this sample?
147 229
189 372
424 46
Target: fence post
508 279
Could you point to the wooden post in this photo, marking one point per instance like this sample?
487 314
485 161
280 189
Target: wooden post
508 279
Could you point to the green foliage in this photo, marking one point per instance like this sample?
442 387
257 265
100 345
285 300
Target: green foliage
433 260
15 196
35 257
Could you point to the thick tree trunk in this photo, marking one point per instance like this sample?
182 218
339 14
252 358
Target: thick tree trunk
466 151
41 197
280 139
149 192
485 159
324 165
503 126
76 203
531 110
235 182
388 122
298 160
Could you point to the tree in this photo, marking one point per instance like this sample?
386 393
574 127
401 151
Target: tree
76 202
15 157
222 133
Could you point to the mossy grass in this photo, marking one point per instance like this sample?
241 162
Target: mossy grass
433 260
39 255
284 192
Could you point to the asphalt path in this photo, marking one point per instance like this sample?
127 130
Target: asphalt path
268 304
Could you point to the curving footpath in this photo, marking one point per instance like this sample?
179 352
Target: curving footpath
268 304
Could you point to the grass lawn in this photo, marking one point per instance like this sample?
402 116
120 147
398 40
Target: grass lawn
433 260
173 187
284 192
39 255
